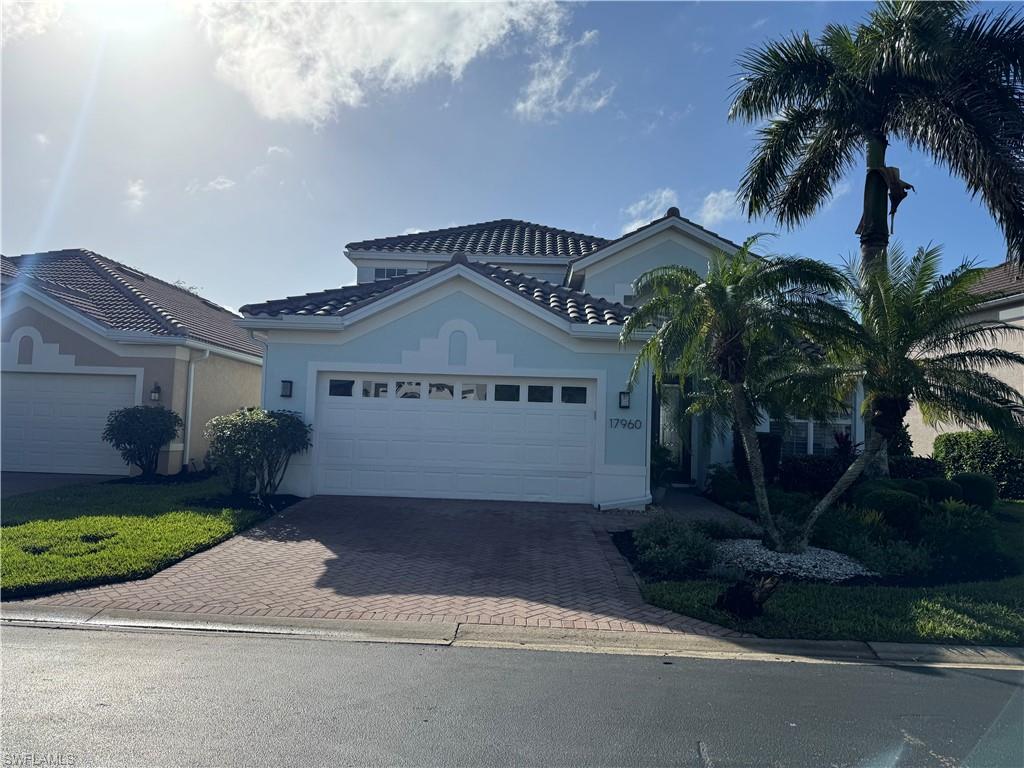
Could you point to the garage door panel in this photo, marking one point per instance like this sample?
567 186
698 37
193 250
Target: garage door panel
53 422
453 448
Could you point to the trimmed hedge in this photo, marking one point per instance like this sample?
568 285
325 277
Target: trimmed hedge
899 509
811 474
978 489
985 452
914 467
940 489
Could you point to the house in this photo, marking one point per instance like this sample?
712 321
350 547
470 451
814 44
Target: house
83 335
482 361
1005 281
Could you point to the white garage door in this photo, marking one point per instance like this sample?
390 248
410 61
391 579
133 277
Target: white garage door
446 437
52 422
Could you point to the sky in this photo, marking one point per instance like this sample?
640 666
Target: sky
238 147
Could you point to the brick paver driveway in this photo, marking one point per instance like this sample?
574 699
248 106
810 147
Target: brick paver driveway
340 557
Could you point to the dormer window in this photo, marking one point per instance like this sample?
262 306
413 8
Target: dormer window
386 273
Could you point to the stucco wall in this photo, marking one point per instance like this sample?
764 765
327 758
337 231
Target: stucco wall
535 346
220 385
612 277
923 435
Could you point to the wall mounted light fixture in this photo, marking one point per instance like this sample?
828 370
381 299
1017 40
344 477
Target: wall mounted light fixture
154 393
286 388
624 399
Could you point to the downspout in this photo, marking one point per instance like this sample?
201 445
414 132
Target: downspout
188 402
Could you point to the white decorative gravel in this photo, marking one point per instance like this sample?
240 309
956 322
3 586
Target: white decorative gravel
813 563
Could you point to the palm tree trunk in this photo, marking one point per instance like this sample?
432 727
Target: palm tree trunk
875 443
748 434
874 223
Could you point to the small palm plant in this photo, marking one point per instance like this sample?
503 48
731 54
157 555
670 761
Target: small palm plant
737 333
916 337
929 74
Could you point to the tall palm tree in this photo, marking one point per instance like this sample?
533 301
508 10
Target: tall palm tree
931 74
915 337
737 331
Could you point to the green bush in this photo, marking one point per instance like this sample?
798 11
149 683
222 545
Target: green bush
917 487
900 444
865 536
977 489
253 447
964 543
984 452
667 548
899 509
914 467
138 433
811 474
940 489
725 488
771 453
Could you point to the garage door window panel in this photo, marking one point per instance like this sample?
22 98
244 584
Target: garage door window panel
574 395
506 393
341 387
539 393
441 391
474 391
375 388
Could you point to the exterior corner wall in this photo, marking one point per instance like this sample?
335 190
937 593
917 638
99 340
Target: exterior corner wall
220 385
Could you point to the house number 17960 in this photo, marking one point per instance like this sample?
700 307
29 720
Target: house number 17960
626 423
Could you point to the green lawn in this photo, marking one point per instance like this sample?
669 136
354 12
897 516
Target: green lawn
983 613
95 534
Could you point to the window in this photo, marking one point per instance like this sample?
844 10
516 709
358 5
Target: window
408 390
536 393
506 393
441 391
474 391
575 395
823 439
375 389
794 436
628 299
341 387
386 273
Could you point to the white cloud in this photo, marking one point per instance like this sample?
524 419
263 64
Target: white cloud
651 206
718 207
412 231
303 61
759 23
135 194
553 91
274 149
218 184
23 19
41 139
841 190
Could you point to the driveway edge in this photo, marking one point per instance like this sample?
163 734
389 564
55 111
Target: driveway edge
667 644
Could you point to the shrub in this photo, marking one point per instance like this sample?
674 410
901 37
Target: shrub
725 488
790 510
978 489
138 433
917 487
254 446
811 474
914 467
865 536
667 548
940 489
964 543
899 509
771 453
900 443
986 452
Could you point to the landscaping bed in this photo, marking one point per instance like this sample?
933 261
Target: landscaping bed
919 570
82 536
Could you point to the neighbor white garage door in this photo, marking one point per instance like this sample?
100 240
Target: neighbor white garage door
446 437
51 422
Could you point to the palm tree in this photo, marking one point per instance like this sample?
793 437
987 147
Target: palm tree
915 337
927 73
738 333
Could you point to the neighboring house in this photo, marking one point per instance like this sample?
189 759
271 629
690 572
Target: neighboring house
481 361
1006 281
83 335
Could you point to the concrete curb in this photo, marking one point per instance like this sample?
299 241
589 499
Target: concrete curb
528 638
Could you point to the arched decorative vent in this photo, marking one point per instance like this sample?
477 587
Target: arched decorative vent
458 345
26 348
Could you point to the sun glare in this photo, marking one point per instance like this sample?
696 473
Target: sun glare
121 16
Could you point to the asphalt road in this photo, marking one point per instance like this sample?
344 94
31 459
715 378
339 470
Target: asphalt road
91 697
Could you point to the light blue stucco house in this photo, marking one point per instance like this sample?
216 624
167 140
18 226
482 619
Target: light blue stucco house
484 361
